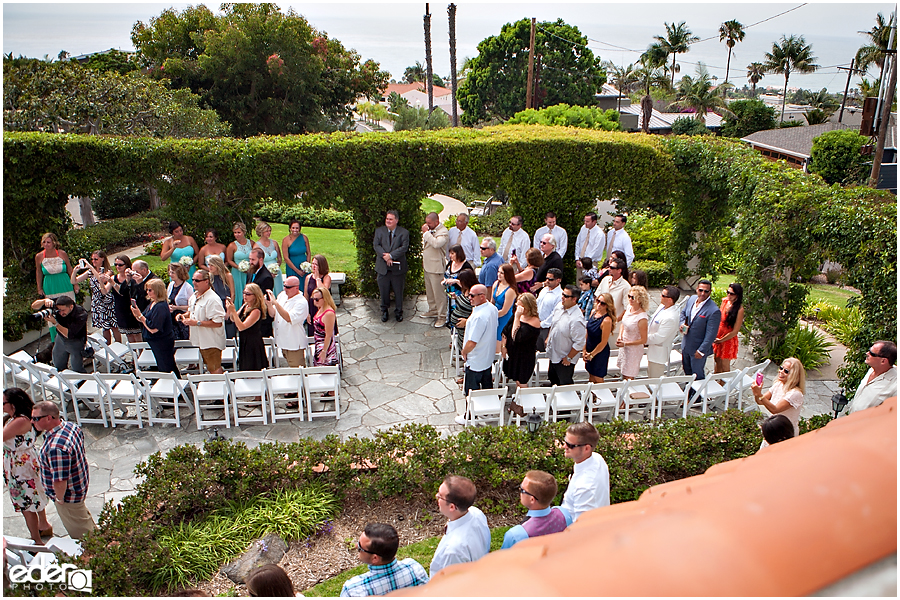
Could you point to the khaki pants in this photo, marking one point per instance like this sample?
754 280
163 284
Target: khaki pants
294 358
655 370
76 518
434 291
212 358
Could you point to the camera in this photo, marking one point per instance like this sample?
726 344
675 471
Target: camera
42 314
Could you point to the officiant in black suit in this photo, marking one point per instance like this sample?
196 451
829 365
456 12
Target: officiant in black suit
391 243
261 276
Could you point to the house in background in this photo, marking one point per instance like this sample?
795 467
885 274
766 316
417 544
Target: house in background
630 115
417 95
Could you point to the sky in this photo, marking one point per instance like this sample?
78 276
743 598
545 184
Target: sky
393 33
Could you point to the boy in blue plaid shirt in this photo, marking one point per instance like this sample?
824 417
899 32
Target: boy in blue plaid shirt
587 295
377 547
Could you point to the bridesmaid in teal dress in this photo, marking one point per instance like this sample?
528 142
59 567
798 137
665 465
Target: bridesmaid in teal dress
212 247
237 251
179 245
295 250
504 296
272 252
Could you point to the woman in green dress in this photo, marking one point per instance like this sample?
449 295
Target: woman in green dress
54 271
178 246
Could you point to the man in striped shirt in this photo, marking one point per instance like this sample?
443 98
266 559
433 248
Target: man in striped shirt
377 547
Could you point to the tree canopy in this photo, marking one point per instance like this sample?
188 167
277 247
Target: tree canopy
748 116
263 71
569 116
565 71
793 54
678 39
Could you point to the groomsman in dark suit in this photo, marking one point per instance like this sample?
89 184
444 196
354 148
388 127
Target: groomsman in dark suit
391 243
261 276
699 324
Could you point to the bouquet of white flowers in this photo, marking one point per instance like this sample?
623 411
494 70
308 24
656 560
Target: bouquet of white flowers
186 261
274 270
306 267
244 266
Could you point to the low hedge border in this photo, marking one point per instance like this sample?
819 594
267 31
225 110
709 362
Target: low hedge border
410 460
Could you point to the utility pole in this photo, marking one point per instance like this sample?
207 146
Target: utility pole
850 73
529 90
888 99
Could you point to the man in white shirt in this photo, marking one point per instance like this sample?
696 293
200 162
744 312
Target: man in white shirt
463 235
206 319
558 233
880 382
618 239
568 332
590 242
289 312
468 536
589 485
480 341
661 331
514 238
616 286
547 300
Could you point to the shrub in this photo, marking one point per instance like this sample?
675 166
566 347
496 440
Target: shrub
748 116
658 273
492 225
835 156
814 422
649 234
832 276
17 312
806 345
122 202
564 115
109 235
689 126
154 248
327 218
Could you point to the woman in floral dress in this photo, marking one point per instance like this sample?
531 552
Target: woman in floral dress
21 471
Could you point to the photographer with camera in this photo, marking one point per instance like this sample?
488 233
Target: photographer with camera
71 330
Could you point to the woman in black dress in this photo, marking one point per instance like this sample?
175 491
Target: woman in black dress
519 340
157 327
251 349
121 291
596 348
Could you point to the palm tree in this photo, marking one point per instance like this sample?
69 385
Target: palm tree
731 32
429 73
875 52
678 40
414 73
700 94
822 100
622 77
451 15
755 72
793 54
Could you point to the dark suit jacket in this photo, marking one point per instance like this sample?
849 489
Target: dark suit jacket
382 243
263 278
138 291
703 329
553 261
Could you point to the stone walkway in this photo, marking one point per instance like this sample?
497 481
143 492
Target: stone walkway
394 373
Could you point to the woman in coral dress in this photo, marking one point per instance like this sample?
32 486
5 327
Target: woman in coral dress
725 346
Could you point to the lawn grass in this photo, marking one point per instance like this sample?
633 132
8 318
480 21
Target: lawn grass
429 205
819 292
422 552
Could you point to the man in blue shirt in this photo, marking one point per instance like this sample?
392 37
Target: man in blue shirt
492 262
377 547
537 491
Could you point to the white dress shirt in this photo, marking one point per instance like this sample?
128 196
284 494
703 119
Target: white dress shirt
661 330
620 240
207 307
468 538
588 487
872 393
596 241
520 241
568 331
291 336
481 328
547 300
562 238
468 239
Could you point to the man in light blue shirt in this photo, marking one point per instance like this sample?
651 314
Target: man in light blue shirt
492 262
480 341
468 536
536 493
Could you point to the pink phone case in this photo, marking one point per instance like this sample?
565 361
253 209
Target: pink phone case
759 378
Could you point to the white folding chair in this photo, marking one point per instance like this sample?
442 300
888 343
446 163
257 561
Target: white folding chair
211 394
50 384
229 355
125 392
485 405
612 367
90 393
24 552
673 394
541 370
708 393
248 394
108 354
748 378
186 354
498 377
280 382
21 376
12 365
165 391
674 363
603 400
638 395
570 401
532 400
318 381
141 356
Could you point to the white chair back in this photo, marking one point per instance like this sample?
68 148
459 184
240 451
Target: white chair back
533 400
485 405
211 394
673 394
748 378
638 395
86 391
125 392
603 400
279 383
248 395
164 391
570 400
317 382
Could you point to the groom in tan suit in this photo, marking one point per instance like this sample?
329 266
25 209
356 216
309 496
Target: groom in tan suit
434 248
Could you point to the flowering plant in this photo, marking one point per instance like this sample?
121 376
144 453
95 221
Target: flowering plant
274 270
186 261
244 266
306 267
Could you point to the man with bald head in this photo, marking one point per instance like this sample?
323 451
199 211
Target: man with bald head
480 341
289 312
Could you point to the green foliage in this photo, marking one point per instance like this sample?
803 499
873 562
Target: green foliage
699 95
263 71
496 83
835 156
283 212
814 422
658 273
689 126
109 234
748 116
806 345
113 60
841 322
564 115
491 225
410 117
791 55
20 293
123 202
649 233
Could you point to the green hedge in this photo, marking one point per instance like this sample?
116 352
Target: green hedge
80 243
658 273
328 218
412 460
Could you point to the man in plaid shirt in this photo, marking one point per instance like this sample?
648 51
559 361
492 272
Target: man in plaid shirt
377 547
64 468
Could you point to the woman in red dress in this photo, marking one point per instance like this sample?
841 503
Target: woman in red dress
725 346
